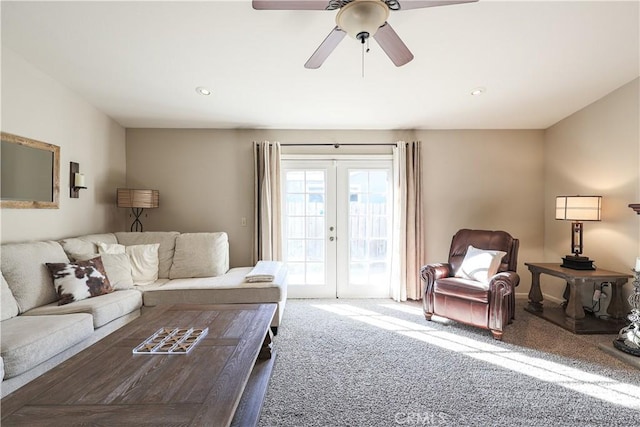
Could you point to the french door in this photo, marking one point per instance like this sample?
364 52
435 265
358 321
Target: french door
337 227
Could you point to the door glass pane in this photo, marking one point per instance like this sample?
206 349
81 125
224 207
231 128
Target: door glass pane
369 222
295 227
305 223
295 250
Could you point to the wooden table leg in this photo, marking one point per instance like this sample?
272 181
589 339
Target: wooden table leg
616 306
535 294
267 346
565 295
574 310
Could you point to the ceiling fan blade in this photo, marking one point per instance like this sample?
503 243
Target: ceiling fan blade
418 4
290 4
395 48
326 47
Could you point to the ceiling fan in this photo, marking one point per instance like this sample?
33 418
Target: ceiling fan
360 19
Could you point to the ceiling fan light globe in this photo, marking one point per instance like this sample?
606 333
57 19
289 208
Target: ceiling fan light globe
362 16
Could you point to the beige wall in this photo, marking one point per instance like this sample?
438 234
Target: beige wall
483 179
37 107
504 179
595 152
487 180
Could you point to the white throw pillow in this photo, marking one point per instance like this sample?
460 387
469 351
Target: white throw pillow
111 248
117 266
144 263
480 264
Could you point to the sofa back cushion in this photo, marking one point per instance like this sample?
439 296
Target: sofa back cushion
9 306
24 267
200 255
85 247
166 239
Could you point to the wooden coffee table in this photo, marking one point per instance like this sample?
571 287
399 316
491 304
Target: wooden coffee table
221 381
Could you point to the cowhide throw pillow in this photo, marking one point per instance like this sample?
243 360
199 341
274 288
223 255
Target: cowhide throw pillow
79 280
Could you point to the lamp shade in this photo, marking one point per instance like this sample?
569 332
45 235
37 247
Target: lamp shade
132 198
578 208
362 16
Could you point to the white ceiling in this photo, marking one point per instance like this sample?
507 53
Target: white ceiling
140 62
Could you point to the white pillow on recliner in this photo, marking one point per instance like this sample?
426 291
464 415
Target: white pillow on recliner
480 264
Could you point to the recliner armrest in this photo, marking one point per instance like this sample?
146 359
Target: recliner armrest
511 278
432 272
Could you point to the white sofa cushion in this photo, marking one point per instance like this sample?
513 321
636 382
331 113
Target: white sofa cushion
230 288
77 247
23 266
166 239
9 306
103 309
48 336
200 255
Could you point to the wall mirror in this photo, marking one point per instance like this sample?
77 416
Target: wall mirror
30 173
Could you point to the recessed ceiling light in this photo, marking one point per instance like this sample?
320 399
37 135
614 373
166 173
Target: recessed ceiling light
478 91
203 91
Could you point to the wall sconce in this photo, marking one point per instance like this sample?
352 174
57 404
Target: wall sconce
76 181
578 209
137 200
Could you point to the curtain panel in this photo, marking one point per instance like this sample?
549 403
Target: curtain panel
267 242
409 246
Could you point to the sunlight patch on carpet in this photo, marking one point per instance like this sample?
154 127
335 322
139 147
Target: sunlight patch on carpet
571 378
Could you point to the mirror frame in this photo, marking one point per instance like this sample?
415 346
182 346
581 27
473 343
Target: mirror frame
36 204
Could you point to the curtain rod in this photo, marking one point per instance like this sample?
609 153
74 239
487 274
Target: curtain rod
335 144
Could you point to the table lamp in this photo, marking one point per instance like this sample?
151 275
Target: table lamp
137 200
577 209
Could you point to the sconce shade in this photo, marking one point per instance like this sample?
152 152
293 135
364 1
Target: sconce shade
578 208
79 180
132 198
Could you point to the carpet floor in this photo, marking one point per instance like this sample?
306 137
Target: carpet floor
380 363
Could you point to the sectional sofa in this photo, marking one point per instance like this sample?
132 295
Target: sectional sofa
143 270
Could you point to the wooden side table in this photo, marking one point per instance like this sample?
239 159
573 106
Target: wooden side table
573 317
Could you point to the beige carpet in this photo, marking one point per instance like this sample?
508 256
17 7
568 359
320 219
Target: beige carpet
533 332
380 363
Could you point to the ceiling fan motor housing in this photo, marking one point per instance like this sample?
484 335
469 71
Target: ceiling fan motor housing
362 18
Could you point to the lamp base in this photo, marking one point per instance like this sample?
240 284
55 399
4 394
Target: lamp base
576 262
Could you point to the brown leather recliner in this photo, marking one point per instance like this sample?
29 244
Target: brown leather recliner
486 305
